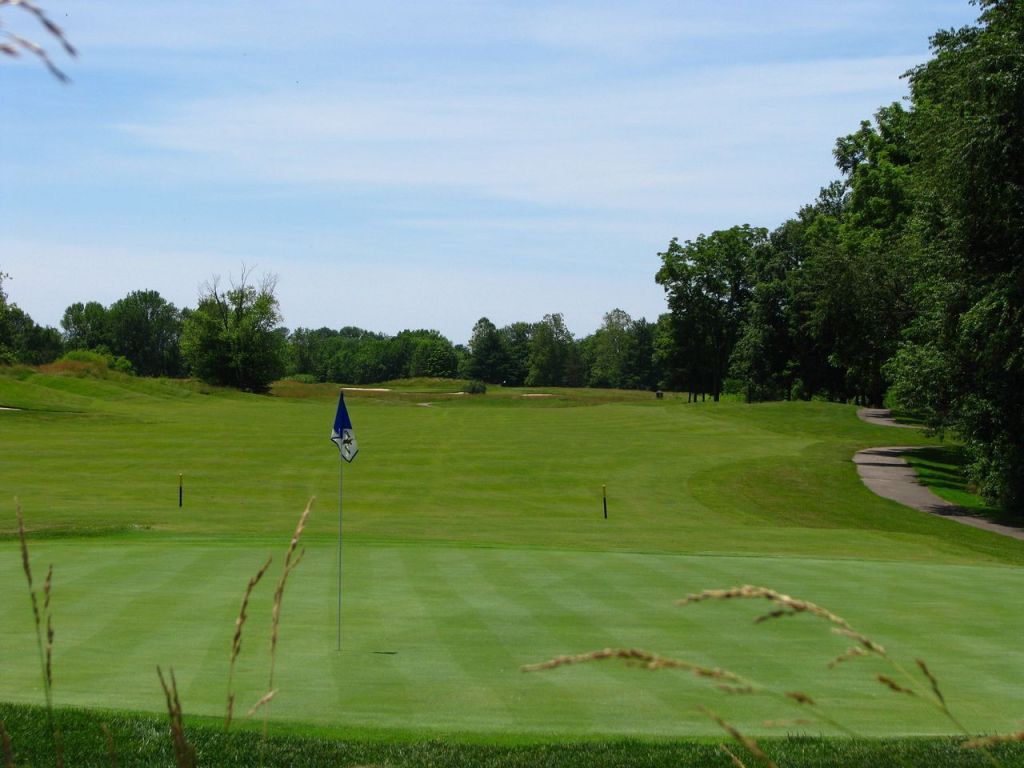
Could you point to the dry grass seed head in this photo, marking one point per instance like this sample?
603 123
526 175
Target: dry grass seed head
49 650
732 757
990 741
931 679
109 739
47 586
787 605
892 685
751 745
866 642
236 641
264 700
290 562
646 659
45 20
851 653
184 752
799 697
5 746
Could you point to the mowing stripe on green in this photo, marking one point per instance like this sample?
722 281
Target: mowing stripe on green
457 623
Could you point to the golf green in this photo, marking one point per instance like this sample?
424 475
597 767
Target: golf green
475 543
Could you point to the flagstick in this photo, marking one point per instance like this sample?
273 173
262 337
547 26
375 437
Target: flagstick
340 474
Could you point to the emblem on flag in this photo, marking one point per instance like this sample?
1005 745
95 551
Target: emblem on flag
342 435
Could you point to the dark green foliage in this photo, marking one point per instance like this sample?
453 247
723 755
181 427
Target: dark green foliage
233 338
963 363
86 326
142 327
907 273
475 387
488 358
141 740
516 340
21 339
146 329
355 356
707 282
554 360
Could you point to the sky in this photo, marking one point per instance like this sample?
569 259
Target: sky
424 164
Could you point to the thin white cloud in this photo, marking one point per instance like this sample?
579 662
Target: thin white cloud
618 145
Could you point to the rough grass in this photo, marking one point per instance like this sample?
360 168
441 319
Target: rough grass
141 740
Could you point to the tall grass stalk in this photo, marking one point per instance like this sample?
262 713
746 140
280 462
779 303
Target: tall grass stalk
42 617
5 746
184 752
922 686
752 746
291 562
912 685
236 641
109 739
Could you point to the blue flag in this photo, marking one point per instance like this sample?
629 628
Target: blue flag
342 435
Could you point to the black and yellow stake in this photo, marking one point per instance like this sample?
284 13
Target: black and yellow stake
604 498
181 489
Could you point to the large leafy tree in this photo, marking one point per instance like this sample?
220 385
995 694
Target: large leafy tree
553 360
515 338
864 268
963 363
488 358
146 329
767 358
86 326
234 336
610 352
708 283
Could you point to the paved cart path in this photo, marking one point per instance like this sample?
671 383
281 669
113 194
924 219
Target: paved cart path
886 472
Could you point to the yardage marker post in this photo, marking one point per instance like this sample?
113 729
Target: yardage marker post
181 489
604 498
343 437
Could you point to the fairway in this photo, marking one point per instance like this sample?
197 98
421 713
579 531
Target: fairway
475 544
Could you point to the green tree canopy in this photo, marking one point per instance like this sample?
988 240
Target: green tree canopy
86 326
234 337
146 329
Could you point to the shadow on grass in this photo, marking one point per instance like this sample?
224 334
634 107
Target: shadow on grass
941 468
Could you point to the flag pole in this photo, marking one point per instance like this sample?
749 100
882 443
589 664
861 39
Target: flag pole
341 465
343 437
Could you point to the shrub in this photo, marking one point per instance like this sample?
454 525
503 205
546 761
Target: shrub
97 362
475 387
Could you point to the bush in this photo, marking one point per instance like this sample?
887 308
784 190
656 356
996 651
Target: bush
475 387
94 361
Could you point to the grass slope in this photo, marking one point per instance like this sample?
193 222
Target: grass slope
475 544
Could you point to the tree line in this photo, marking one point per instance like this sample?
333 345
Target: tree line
903 282
234 337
